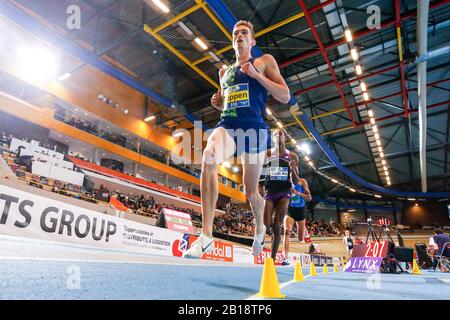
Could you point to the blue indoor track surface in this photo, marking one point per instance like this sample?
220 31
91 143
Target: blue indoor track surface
34 269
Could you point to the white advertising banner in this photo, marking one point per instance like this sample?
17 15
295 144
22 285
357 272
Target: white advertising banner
304 259
16 143
33 149
28 215
242 255
48 170
66 175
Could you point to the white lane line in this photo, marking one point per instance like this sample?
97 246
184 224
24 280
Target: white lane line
200 264
445 280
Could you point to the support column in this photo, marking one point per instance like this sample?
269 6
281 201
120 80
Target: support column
135 169
95 156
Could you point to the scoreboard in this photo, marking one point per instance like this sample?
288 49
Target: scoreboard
373 249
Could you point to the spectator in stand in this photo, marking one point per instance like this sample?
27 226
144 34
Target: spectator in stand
102 194
440 239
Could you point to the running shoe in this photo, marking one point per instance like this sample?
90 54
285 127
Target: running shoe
258 242
199 247
285 262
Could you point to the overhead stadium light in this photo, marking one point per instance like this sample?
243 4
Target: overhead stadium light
185 28
161 5
370 113
354 54
363 86
305 148
348 35
149 118
37 63
64 76
279 124
201 43
214 56
358 69
268 111
366 96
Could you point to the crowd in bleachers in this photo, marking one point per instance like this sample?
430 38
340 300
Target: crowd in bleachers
235 220
319 228
118 139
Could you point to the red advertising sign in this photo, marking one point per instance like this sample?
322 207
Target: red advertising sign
222 251
373 249
266 254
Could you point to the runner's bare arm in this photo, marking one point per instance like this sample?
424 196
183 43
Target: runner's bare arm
307 193
269 76
294 167
217 98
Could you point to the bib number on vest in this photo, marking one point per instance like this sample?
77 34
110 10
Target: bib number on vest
237 96
279 173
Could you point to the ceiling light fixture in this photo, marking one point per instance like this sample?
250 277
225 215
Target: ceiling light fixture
201 43
348 35
354 54
161 5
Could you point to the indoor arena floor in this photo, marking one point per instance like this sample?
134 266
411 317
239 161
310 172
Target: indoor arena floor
33 269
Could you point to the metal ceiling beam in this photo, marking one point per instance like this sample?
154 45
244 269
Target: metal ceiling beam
378 120
394 155
398 24
357 35
326 149
383 126
422 44
372 100
229 20
325 56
